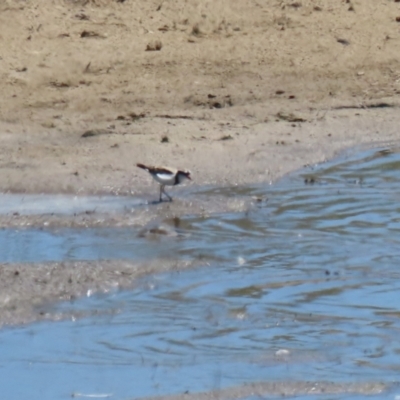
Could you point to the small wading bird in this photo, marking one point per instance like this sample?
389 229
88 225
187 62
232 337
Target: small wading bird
166 176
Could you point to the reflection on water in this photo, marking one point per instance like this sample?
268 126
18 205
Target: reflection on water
35 245
303 287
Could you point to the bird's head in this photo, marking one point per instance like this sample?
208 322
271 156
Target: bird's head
184 174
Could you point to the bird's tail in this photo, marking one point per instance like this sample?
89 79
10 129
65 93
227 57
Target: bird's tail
142 166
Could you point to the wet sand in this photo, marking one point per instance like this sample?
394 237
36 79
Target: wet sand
27 288
283 389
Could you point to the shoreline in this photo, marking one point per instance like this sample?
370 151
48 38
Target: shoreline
21 302
240 151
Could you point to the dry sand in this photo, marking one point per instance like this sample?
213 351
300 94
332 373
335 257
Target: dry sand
236 90
240 90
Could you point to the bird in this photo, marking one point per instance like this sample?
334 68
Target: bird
166 176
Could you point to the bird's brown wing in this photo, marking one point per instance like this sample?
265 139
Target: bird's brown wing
157 170
163 170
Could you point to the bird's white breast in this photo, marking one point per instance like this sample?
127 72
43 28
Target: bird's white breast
165 179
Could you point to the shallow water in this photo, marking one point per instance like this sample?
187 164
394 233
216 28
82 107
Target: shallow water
30 204
38 245
303 287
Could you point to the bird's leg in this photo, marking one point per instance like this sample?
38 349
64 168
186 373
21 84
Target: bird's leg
161 190
170 198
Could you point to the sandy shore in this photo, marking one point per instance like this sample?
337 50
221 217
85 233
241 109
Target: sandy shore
237 92
25 289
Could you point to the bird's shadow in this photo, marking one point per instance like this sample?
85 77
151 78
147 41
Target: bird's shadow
155 202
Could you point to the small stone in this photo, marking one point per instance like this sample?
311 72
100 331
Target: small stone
154 45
